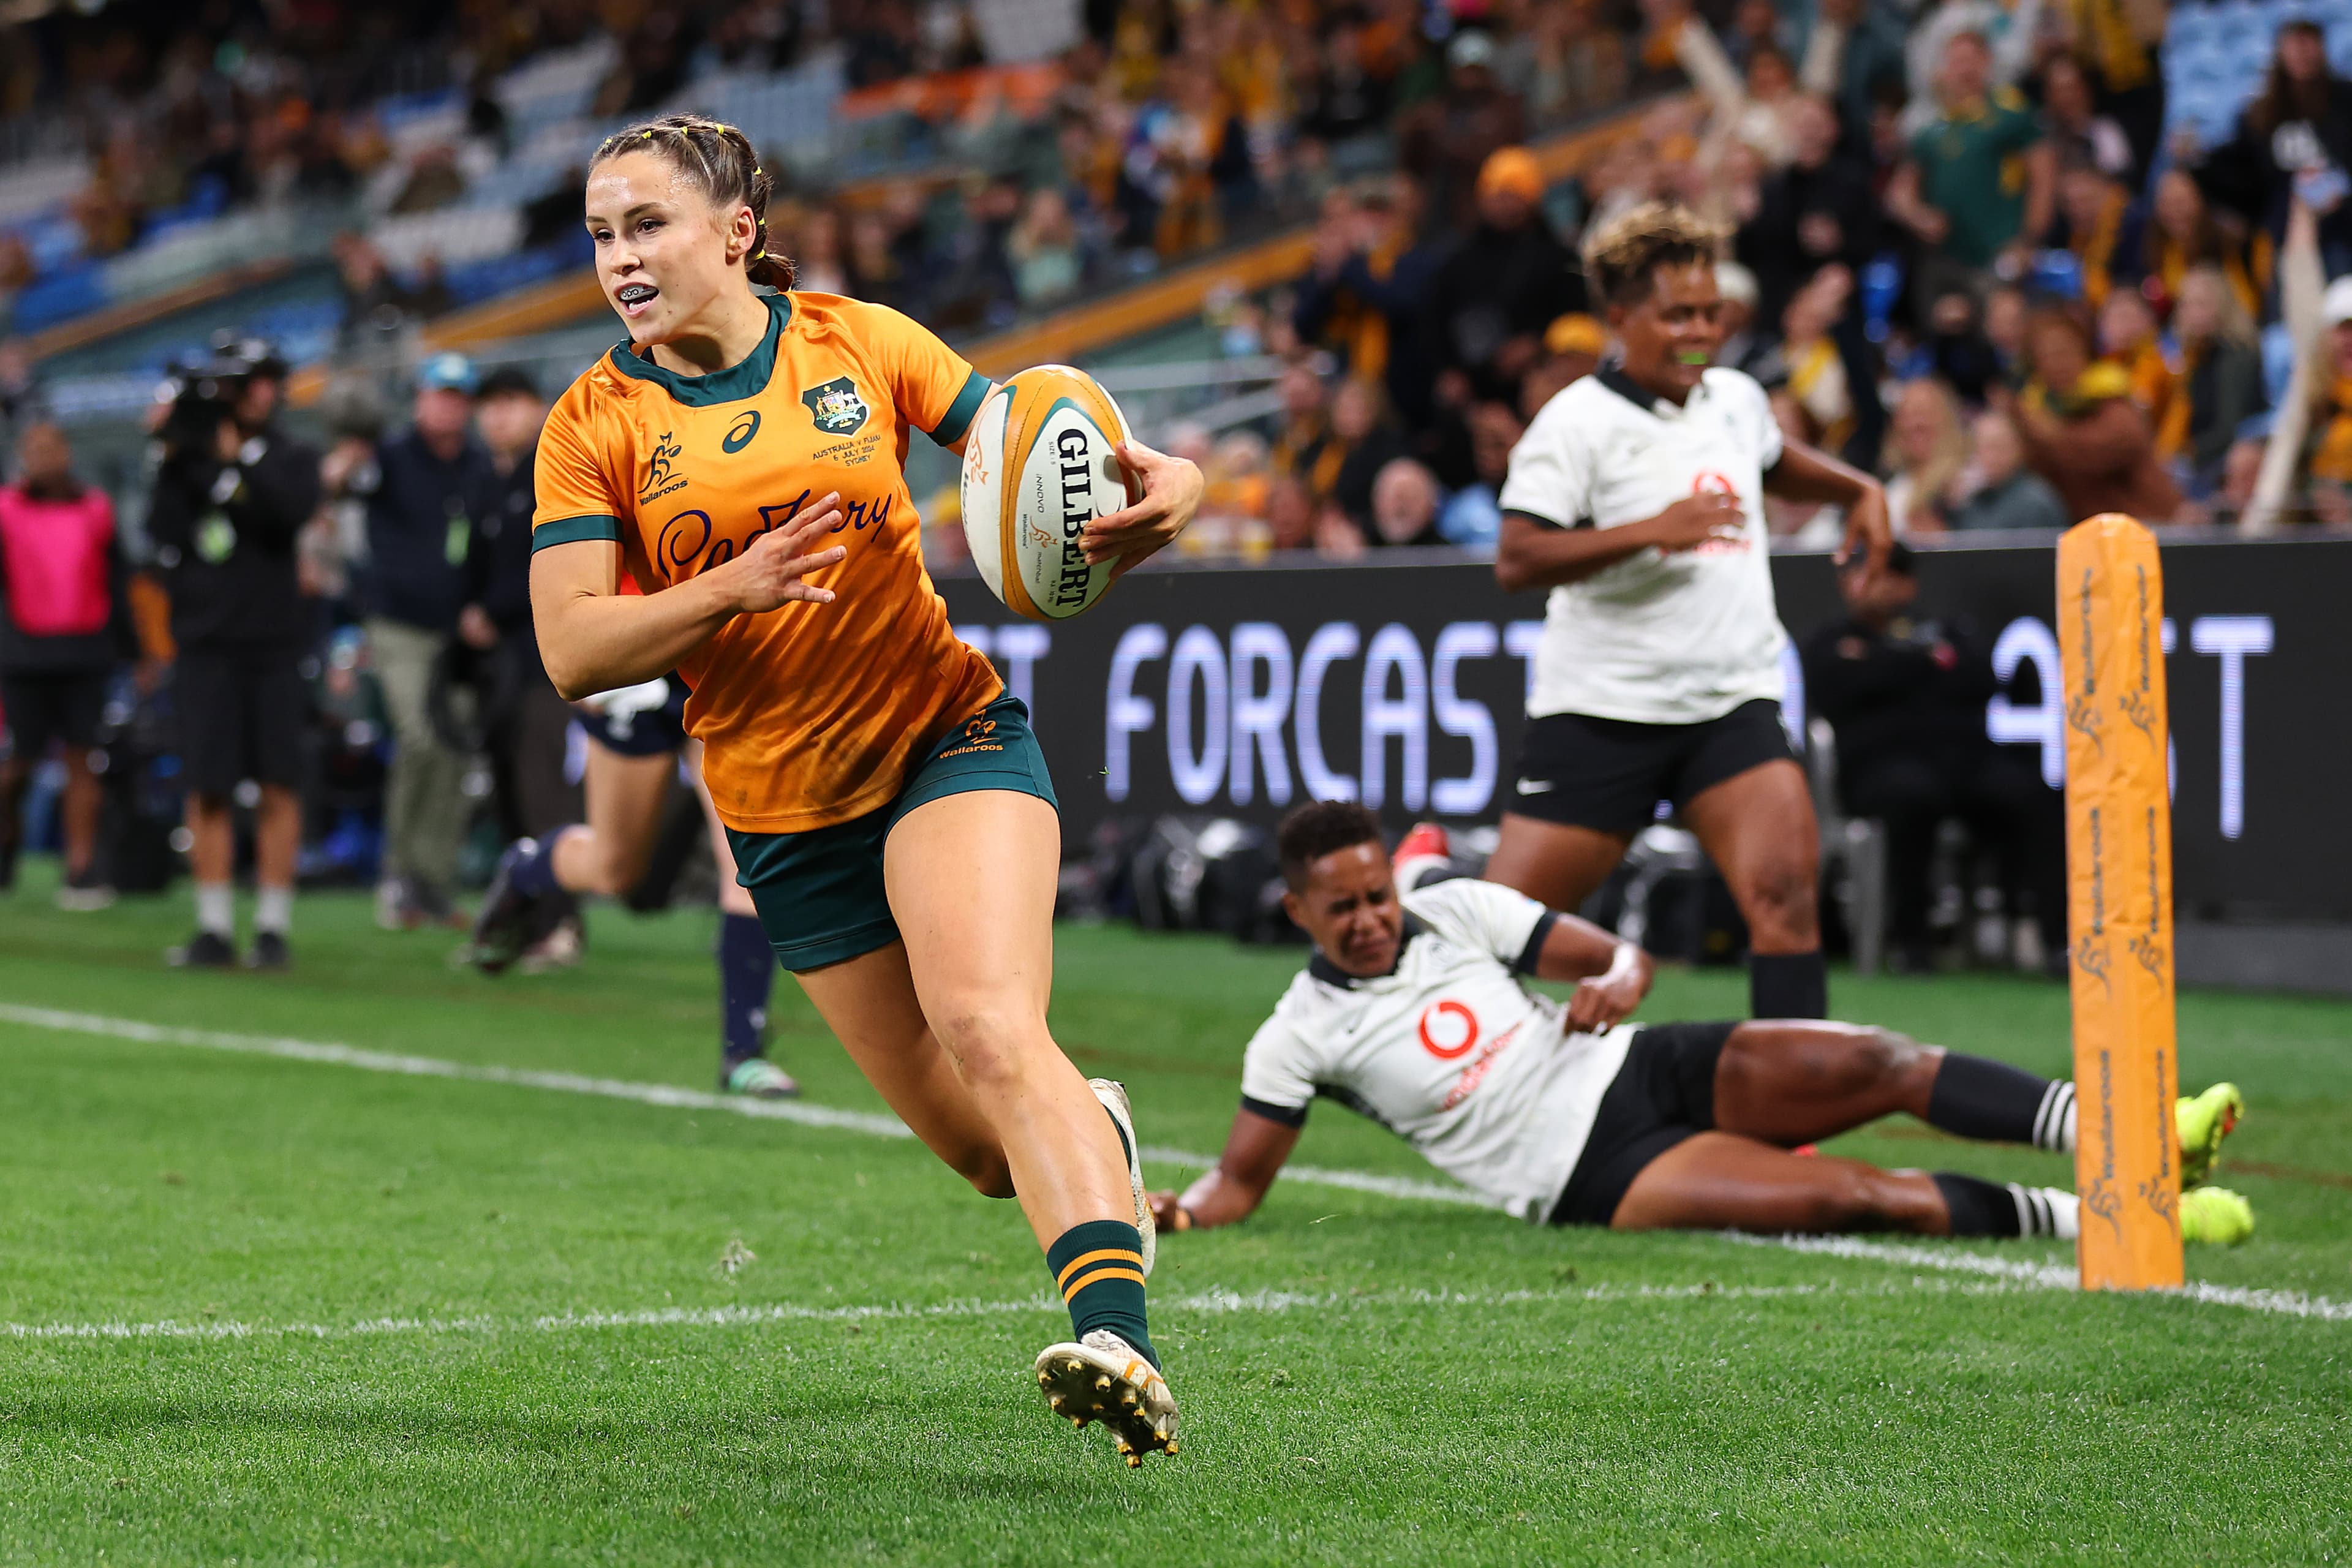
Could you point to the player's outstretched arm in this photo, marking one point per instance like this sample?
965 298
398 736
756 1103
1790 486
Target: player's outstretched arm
1255 1151
594 638
1614 976
1808 474
1533 554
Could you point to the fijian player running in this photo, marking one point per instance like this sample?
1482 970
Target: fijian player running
1412 1012
1637 498
742 455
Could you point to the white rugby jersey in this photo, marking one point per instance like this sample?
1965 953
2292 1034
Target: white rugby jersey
1446 1049
1656 638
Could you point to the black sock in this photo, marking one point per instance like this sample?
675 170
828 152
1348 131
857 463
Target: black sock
1098 1269
747 972
1974 1097
1788 985
1978 1207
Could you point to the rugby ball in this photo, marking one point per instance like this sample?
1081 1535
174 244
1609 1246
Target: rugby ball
1039 468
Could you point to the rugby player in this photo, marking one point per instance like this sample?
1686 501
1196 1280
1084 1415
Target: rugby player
741 455
1412 1012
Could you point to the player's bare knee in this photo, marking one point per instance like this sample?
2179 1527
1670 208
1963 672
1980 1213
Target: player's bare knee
1782 901
988 1040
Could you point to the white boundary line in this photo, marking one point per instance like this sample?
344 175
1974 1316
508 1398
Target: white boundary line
2037 1276
1204 1302
662 1094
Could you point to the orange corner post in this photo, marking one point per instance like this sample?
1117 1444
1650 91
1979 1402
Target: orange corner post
2120 904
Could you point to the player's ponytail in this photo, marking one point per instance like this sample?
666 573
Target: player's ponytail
723 162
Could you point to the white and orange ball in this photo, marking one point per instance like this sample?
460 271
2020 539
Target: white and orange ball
1039 468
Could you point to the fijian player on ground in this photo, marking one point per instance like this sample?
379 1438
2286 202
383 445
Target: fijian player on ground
1412 1012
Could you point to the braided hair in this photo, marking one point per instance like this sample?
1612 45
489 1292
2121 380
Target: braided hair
1620 255
722 161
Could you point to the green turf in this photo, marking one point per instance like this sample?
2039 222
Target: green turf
1438 1385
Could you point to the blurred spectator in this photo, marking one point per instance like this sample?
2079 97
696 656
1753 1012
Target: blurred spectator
2182 232
1566 63
1926 447
1447 141
2116 42
1471 517
1364 441
1364 295
2091 223
1572 348
1290 514
377 308
242 628
1405 505
2078 132
1853 54
818 262
1507 281
2325 465
1956 349
19 394
1305 430
1047 265
1998 490
64 628
1821 208
1907 697
1187 162
2083 431
426 488
2006 312
1339 99
2296 134
1744 347
2127 336
1978 179
2220 376
524 720
1827 368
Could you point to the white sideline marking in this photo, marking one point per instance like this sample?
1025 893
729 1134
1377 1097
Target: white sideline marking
1207 1301
660 1094
2047 1275
2034 1275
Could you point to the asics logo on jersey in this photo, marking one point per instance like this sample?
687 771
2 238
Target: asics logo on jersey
661 477
1448 1030
740 436
835 406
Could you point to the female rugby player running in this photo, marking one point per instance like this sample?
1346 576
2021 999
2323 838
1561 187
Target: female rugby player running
741 456
1637 498
1412 1012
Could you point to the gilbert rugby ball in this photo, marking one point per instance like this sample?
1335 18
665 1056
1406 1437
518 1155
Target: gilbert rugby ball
1039 468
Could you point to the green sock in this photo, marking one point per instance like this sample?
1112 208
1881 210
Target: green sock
1098 1269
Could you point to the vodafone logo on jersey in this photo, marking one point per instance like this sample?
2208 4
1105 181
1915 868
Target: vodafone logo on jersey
1448 1030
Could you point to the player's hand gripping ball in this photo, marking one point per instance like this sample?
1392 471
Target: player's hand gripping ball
1042 466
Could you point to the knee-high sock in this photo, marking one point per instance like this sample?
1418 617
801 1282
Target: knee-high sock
1788 985
533 875
1098 1269
747 972
1975 1097
1979 1207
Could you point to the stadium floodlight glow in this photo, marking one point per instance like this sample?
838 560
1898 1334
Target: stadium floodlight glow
2119 907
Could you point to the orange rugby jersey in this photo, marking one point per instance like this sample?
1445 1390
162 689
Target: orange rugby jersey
808 714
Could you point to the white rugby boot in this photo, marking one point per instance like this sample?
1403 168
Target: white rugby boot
1102 1378
1113 1095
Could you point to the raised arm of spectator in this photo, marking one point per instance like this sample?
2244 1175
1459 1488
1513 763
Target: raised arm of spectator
1255 1149
1710 69
1908 208
2040 191
2302 284
1860 362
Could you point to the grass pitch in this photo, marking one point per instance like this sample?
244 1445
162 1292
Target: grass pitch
283 1310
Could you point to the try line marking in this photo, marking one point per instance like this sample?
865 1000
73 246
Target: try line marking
2029 1275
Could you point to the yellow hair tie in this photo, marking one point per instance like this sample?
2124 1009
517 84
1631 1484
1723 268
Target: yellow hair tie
761 256
649 135
757 173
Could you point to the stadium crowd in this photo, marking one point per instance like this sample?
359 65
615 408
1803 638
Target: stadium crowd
1958 248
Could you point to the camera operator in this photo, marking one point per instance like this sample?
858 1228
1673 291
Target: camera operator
233 493
524 720
427 488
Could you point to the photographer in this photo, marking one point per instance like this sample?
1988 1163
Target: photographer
428 487
232 494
